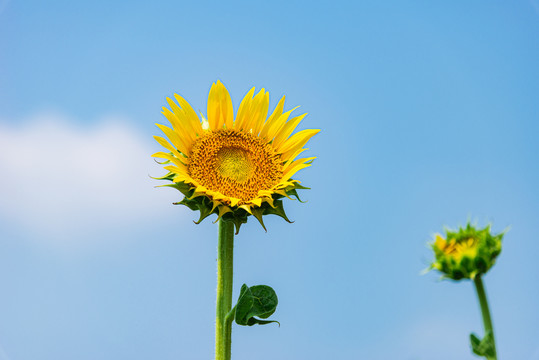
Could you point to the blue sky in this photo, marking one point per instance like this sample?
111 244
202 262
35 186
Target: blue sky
429 117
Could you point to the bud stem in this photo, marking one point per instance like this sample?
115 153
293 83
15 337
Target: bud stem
485 312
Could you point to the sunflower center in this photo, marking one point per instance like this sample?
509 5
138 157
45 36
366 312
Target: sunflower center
235 164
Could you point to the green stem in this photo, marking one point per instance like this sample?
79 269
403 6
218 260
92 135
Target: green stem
485 312
225 254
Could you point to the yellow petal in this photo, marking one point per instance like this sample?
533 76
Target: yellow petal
180 178
278 124
178 162
259 114
179 174
167 146
296 162
246 208
284 184
218 196
264 193
269 200
283 193
295 166
179 121
171 116
180 126
253 114
273 117
226 107
215 118
292 157
296 141
182 122
191 117
294 170
287 129
243 110
175 139
440 242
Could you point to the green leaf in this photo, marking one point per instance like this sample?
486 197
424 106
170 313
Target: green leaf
483 347
260 301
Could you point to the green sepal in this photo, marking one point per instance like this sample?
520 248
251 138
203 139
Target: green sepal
205 209
237 215
168 177
278 209
185 189
293 192
297 185
260 301
258 214
162 162
483 347
193 205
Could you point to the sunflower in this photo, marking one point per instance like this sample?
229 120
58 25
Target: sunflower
233 167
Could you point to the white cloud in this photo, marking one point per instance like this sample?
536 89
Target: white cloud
57 178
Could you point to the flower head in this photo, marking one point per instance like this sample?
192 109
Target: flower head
233 167
467 252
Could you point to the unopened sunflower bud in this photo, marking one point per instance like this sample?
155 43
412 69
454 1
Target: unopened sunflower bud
465 253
